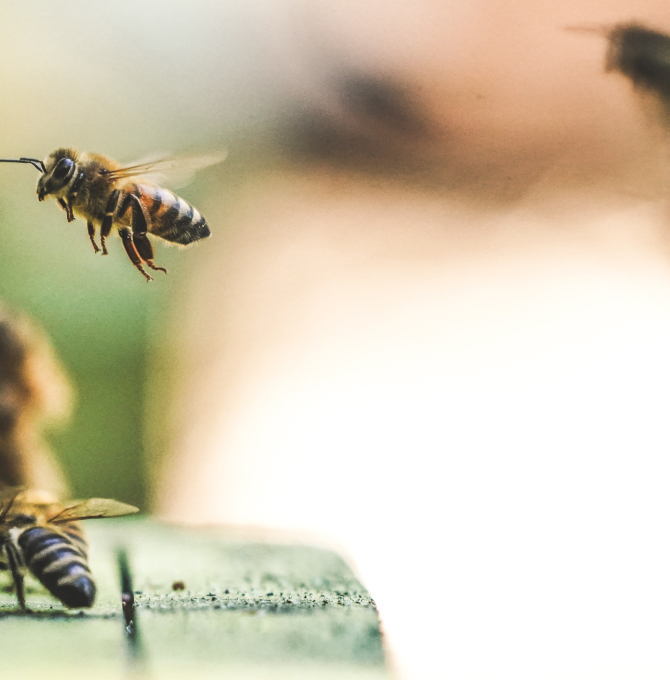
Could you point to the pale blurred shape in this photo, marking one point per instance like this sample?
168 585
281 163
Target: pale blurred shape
477 416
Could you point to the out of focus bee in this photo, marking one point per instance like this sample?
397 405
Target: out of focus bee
34 393
107 194
43 537
642 54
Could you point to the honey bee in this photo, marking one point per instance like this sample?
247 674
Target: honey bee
106 194
641 54
43 537
34 393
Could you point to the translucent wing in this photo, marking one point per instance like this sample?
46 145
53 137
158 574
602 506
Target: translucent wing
175 172
93 508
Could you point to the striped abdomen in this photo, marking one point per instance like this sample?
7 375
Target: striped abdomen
171 217
59 561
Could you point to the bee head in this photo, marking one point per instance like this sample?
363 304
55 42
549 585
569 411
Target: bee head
59 172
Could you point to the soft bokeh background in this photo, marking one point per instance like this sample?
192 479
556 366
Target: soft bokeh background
431 325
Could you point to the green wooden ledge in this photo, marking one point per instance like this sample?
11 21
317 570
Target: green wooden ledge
248 610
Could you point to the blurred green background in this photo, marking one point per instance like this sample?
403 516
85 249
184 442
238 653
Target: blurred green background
108 327
102 319
128 80
137 79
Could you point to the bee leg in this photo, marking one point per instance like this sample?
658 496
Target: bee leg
13 560
106 225
91 235
127 238
140 238
146 251
67 208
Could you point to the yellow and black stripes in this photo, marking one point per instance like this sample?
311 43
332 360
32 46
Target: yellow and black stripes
59 561
172 218
153 211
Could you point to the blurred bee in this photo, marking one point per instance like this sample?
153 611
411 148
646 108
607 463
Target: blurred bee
42 537
643 55
639 53
34 393
105 193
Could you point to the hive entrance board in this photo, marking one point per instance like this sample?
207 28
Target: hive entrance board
246 610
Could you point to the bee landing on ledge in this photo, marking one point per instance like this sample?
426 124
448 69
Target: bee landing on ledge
43 537
106 194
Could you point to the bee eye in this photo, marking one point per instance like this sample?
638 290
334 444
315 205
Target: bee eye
63 168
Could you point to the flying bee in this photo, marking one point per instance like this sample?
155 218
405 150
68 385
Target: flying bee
43 537
107 194
639 53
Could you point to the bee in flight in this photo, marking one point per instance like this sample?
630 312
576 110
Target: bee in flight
43 537
107 194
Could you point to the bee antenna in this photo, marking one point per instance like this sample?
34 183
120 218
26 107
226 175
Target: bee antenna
35 162
598 29
17 491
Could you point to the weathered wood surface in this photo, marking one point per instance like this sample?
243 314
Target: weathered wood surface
248 610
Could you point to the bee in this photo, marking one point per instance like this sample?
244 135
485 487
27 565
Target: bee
43 537
643 55
639 53
34 392
106 194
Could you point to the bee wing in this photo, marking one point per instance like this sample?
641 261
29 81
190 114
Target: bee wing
175 172
93 508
